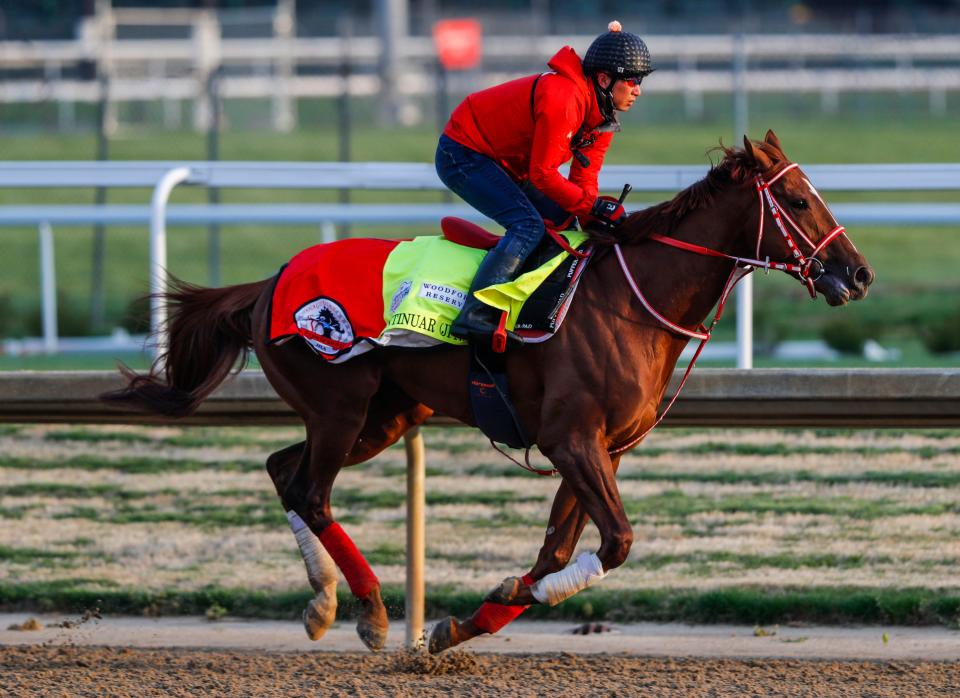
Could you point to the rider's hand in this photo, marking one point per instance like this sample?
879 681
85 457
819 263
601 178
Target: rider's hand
608 211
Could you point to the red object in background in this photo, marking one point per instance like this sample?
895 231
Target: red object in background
458 43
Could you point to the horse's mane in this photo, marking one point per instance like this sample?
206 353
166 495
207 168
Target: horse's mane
736 167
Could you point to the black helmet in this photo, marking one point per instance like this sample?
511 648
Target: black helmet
618 53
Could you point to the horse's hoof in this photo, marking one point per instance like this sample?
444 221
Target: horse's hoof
506 593
445 634
320 614
373 624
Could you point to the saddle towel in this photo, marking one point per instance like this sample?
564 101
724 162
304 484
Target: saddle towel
347 297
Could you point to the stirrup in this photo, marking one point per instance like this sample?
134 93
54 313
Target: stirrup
502 334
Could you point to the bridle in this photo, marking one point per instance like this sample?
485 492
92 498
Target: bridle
807 268
804 266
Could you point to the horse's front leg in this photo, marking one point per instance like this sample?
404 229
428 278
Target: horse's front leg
590 472
567 520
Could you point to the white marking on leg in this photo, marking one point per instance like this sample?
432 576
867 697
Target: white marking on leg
561 585
322 575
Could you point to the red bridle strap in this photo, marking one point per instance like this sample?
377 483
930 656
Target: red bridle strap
742 266
706 251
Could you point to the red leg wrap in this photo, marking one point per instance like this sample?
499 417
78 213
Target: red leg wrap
358 574
491 617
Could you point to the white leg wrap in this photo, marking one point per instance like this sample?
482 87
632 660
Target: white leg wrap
321 570
561 585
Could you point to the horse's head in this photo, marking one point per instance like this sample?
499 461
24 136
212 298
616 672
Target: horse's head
797 227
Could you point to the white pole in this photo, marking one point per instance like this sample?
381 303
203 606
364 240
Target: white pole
284 31
745 288
206 58
158 253
745 322
328 232
392 18
416 534
48 289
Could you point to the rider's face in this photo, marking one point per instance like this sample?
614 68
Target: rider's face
624 93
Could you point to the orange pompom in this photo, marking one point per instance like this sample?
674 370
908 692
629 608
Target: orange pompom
614 26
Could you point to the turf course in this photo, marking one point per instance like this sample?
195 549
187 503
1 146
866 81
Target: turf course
754 526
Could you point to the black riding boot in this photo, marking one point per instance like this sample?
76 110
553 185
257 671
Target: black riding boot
477 318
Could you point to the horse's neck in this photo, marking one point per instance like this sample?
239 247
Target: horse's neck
684 286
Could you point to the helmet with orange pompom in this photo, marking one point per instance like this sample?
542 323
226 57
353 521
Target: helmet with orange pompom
621 55
618 53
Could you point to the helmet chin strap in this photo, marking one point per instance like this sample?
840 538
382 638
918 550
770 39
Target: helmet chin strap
604 97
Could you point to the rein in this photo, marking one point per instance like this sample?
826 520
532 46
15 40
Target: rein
808 269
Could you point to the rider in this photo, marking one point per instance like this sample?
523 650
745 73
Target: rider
502 147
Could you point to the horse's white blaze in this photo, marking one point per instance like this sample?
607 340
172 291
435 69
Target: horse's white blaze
561 585
814 191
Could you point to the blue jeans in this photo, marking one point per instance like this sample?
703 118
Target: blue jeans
483 184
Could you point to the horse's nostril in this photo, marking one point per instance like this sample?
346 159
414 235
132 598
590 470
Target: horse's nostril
863 276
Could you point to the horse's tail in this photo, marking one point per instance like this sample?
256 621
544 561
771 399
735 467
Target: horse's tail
210 328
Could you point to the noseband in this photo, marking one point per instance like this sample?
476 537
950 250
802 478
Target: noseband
807 268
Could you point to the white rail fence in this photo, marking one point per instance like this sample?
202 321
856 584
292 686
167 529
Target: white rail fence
163 177
284 67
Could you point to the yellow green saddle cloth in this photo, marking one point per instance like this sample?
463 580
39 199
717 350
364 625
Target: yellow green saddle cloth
426 281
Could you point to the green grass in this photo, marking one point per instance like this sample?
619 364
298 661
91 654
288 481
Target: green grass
62 490
787 561
32 555
131 465
741 605
83 435
185 511
674 505
357 499
260 508
907 478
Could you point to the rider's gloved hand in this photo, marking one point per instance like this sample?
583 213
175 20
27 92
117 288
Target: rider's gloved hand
608 211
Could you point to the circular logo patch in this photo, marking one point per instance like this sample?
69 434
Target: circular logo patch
324 324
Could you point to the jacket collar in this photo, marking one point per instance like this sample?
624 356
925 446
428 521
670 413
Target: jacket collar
566 62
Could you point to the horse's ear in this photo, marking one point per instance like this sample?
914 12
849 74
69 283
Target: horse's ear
759 157
771 139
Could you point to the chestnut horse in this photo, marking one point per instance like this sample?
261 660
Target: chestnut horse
584 397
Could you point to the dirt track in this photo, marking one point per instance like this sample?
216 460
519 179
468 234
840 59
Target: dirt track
70 670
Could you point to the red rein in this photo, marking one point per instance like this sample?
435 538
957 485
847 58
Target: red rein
803 268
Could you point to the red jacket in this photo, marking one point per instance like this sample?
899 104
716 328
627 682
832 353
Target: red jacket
531 143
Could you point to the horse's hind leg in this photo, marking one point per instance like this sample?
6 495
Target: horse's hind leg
333 402
309 496
321 611
391 413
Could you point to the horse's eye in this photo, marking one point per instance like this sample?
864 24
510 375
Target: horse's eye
800 204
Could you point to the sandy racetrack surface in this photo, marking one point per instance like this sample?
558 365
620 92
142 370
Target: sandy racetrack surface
71 670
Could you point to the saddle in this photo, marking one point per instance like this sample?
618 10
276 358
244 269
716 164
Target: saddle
539 318
541 314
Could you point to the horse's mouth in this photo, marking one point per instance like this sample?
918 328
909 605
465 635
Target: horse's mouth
836 291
